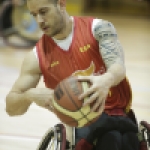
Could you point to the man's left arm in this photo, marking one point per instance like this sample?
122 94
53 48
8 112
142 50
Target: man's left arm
113 57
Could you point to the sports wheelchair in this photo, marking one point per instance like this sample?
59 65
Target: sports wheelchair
57 139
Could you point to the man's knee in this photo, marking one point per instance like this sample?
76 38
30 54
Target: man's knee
111 140
130 141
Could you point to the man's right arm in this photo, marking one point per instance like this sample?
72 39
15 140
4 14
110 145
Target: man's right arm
24 90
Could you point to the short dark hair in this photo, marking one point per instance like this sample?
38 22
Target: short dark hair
54 1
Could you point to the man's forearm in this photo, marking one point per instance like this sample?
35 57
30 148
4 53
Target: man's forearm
115 74
18 103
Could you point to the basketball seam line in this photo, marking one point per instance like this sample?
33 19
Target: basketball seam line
76 105
80 118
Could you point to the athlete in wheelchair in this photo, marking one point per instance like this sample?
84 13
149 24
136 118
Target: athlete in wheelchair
102 64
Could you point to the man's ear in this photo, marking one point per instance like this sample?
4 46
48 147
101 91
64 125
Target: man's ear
62 3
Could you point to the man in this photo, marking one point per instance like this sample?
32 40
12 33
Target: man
68 46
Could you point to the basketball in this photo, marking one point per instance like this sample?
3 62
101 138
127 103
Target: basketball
68 108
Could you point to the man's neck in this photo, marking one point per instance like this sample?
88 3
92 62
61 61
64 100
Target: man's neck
67 30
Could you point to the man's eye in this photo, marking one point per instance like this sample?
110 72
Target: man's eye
34 15
43 12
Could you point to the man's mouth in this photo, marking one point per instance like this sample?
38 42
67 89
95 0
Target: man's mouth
44 28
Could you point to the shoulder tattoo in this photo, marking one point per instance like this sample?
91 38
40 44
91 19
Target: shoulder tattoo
109 45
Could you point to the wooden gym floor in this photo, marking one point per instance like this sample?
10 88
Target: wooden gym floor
24 132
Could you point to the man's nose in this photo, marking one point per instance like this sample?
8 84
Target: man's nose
39 19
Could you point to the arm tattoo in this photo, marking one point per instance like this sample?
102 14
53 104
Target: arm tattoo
110 48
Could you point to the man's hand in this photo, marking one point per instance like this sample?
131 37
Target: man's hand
98 91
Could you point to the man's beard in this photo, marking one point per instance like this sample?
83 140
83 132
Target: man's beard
58 30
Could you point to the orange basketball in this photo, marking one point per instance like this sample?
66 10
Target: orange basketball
68 107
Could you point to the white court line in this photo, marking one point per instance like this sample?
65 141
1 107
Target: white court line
19 137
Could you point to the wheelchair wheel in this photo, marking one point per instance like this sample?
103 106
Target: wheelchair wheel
54 139
6 10
144 135
9 31
25 24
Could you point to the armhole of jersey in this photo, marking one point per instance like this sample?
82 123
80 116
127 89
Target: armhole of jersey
35 53
95 21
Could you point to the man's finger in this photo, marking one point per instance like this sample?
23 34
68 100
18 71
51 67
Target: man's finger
92 98
84 78
86 94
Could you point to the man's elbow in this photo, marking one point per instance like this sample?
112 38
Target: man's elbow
11 109
12 112
122 71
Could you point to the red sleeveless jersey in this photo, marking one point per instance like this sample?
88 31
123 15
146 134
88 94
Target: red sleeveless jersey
82 58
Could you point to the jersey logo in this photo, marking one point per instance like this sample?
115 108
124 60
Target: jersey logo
54 63
87 72
85 48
